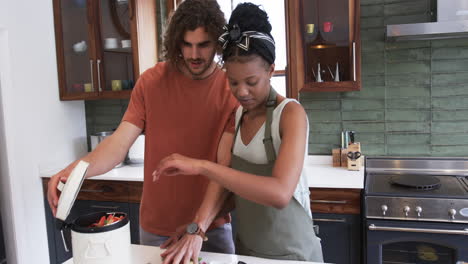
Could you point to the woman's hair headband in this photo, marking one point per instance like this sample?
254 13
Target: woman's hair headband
261 42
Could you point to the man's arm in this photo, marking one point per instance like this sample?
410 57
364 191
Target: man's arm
216 194
189 246
110 152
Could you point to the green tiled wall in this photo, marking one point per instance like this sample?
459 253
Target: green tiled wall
414 98
104 115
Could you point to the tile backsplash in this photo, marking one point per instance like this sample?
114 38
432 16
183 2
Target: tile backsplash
104 115
413 101
414 97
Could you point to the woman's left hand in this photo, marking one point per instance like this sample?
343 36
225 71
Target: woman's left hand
175 164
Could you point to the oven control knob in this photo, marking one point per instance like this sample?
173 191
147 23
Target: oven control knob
384 209
406 209
452 212
418 210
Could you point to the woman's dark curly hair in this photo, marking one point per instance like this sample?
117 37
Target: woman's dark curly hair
249 17
190 15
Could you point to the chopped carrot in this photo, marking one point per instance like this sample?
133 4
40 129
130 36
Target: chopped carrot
101 221
111 218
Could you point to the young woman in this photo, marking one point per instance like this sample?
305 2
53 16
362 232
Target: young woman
271 192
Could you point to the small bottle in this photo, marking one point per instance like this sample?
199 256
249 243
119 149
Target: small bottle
337 73
319 77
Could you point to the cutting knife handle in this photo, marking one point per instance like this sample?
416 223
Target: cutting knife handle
351 136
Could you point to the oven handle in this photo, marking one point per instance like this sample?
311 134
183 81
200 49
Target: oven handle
418 230
339 220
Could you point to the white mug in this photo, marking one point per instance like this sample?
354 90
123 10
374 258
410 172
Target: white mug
111 43
126 43
80 46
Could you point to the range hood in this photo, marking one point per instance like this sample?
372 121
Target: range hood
452 22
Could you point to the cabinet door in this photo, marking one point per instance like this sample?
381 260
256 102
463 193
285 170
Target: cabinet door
75 48
56 245
114 63
103 46
340 235
324 45
135 222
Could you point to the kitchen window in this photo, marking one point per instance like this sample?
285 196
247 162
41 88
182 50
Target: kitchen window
275 11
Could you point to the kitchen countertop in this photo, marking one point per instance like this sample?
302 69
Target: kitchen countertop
318 169
151 255
321 174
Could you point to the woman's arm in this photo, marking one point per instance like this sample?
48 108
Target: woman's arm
189 246
273 191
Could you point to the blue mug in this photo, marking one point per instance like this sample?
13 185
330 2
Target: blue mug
125 84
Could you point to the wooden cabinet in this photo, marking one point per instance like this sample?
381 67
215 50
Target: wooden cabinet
324 50
134 222
337 201
336 212
94 196
103 46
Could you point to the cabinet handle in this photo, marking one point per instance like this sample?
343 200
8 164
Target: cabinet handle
91 63
105 207
92 191
329 201
64 242
354 60
99 74
341 220
104 188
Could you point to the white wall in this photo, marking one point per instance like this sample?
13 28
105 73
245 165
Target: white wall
36 129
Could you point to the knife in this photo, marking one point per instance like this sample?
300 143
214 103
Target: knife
351 136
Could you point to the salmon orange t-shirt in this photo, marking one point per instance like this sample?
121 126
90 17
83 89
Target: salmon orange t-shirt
178 115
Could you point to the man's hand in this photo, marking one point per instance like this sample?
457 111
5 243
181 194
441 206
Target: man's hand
52 192
186 249
180 231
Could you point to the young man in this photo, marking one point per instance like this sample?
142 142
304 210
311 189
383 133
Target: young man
183 105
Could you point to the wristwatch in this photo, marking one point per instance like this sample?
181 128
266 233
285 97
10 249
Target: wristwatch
194 229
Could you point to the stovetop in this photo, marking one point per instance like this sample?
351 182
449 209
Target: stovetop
446 186
421 189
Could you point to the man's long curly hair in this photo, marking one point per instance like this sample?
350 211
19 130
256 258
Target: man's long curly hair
190 15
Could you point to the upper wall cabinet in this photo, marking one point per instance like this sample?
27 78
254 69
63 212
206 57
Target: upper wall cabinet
103 46
324 49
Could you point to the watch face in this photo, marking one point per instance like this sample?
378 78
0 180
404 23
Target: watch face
192 228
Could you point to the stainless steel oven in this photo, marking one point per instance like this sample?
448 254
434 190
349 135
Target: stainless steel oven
416 210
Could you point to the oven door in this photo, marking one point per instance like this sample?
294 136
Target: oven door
392 241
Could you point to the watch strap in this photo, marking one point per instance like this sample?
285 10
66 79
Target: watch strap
202 234
194 229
